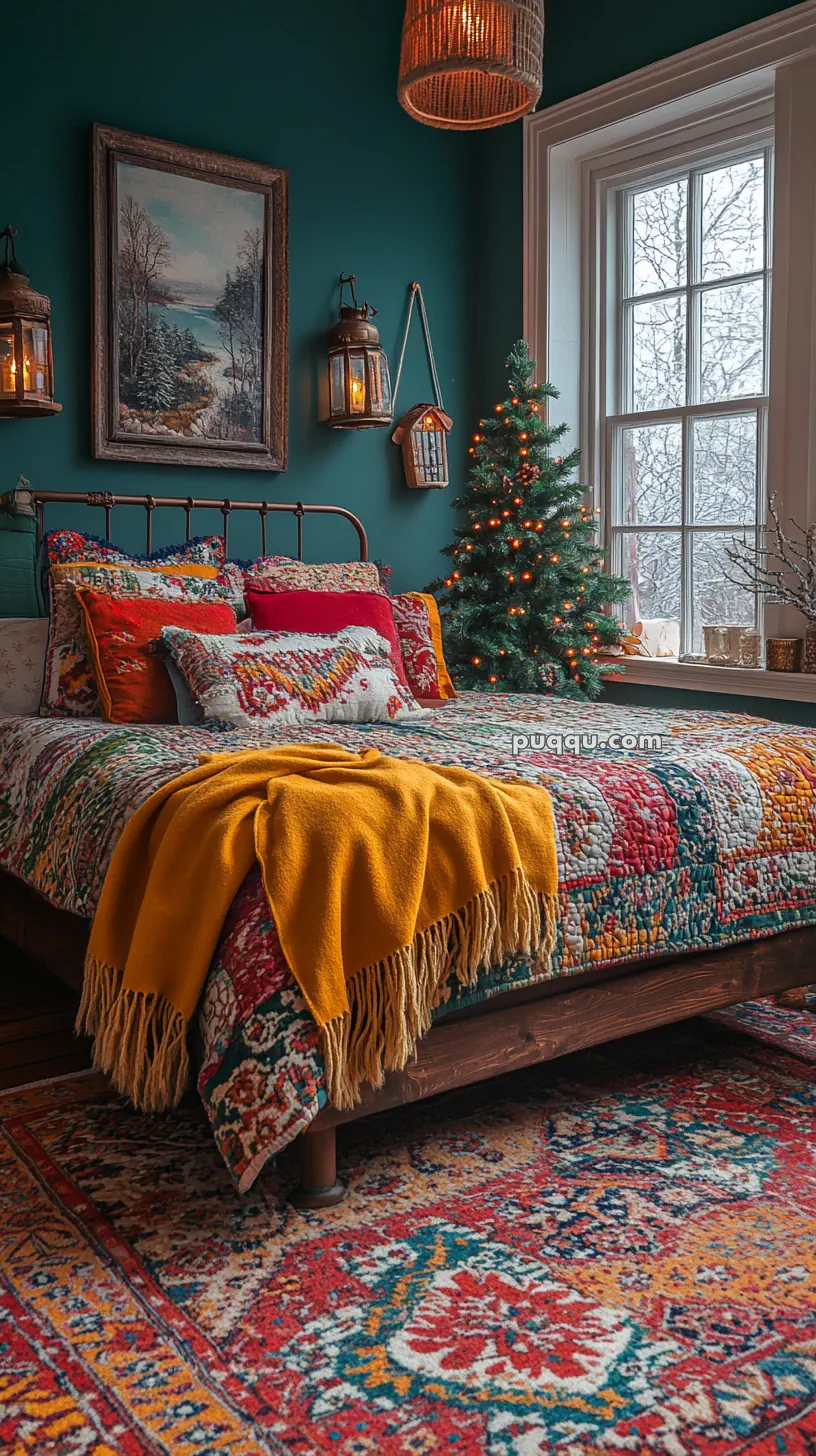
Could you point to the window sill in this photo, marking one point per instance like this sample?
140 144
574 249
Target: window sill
698 677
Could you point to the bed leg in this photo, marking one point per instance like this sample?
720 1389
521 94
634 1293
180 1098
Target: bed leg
319 1186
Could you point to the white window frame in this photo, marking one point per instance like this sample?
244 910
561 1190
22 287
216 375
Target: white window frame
740 88
613 205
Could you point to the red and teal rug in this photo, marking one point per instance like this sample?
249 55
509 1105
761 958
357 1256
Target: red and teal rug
614 1255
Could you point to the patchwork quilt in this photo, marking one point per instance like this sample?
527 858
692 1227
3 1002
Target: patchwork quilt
676 831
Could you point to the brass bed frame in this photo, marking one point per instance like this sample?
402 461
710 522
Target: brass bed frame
517 1029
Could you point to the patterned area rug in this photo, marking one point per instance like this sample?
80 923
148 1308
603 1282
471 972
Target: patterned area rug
772 1021
613 1254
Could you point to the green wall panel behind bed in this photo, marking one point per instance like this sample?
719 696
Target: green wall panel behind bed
308 87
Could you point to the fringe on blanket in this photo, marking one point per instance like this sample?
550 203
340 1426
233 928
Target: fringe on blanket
391 1004
141 1040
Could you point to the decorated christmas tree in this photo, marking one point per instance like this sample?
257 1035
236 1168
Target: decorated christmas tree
524 602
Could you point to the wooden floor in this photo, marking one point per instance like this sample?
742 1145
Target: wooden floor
37 1014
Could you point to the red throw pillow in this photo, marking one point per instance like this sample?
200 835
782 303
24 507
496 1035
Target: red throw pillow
123 635
326 611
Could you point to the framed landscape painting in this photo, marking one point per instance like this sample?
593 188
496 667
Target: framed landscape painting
191 305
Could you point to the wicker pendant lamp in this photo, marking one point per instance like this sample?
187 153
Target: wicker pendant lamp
470 64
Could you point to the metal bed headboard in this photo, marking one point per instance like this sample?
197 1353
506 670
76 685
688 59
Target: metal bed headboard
35 502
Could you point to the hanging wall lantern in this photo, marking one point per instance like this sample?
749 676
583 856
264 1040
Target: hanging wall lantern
471 64
26 370
422 434
423 431
359 382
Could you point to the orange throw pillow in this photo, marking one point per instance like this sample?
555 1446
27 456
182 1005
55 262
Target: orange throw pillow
419 629
124 635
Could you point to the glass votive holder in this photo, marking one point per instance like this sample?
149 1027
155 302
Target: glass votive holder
783 654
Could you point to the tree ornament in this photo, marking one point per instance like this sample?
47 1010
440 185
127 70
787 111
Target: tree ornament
527 474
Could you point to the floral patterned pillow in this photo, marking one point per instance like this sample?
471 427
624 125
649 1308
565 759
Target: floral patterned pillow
22 658
264 565
338 576
419 629
69 686
289 677
61 547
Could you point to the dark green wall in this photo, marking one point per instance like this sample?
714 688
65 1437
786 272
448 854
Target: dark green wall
589 42
309 87
649 697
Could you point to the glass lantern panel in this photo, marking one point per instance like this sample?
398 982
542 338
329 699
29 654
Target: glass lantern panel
357 384
337 384
379 383
36 382
429 453
7 366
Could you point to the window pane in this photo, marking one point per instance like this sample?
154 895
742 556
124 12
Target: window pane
659 353
660 241
725 462
733 219
651 561
715 600
651 475
732 341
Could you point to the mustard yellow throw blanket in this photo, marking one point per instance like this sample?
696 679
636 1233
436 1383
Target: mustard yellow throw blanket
384 876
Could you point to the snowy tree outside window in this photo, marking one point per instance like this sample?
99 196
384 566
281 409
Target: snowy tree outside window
687 442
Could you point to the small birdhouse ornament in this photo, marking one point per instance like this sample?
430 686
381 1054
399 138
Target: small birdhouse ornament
422 432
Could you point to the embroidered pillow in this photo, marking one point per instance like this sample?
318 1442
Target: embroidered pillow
69 687
287 677
64 546
264 565
268 565
22 661
326 611
337 576
419 629
124 638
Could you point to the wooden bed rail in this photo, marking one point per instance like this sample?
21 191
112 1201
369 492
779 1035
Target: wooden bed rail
33 502
516 1029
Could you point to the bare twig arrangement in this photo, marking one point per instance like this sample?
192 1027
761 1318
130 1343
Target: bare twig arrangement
781 572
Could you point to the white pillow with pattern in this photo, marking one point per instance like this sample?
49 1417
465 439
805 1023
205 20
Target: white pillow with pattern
22 664
292 677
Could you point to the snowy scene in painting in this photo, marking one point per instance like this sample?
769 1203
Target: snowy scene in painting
189 293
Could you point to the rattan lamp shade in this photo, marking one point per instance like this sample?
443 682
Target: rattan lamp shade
471 64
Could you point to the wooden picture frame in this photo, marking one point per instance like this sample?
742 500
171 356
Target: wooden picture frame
190 305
